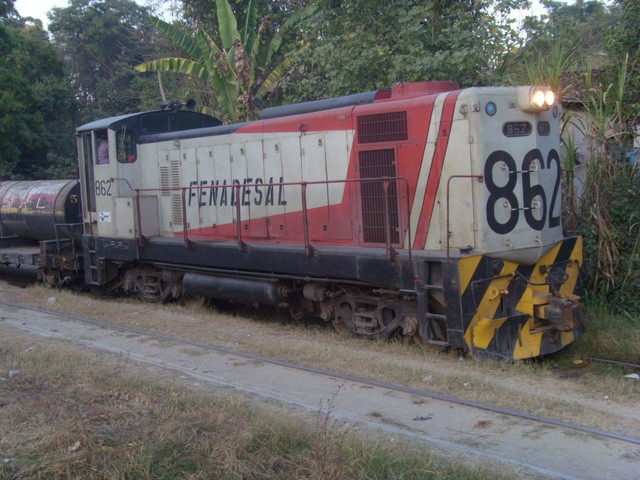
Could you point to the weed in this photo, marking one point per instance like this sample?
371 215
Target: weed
71 415
609 213
609 335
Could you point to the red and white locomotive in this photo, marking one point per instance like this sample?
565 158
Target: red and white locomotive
423 210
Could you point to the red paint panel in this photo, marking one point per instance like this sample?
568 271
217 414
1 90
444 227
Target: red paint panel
435 172
323 121
291 225
340 224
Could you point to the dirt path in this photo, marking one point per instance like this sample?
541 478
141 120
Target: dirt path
578 395
456 430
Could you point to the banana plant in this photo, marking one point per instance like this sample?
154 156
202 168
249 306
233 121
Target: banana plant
240 65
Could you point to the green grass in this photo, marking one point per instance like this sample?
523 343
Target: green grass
75 415
609 336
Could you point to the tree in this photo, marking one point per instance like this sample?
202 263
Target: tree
565 39
241 66
101 41
7 9
623 45
359 45
36 103
202 13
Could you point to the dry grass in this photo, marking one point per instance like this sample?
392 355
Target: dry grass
77 415
584 396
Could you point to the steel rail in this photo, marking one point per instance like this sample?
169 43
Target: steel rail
613 362
341 376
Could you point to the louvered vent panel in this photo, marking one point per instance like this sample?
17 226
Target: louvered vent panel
176 208
176 194
382 127
374 164
165 181
175 174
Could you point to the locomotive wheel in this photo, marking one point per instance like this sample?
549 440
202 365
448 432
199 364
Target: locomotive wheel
151 285
366 316
196 301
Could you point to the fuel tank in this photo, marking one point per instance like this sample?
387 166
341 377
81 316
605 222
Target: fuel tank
32 209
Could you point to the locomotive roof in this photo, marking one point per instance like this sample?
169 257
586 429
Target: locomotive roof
405 90
104 123
153 121
273 112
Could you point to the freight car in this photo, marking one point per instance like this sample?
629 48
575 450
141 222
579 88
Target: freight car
40 227
423 210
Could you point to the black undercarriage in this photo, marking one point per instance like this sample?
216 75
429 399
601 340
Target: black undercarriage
361 290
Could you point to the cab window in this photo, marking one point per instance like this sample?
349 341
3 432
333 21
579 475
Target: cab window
102 148
126 143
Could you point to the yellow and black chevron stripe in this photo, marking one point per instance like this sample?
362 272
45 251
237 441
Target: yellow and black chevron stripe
502 301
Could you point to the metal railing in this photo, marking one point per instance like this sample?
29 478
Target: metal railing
71 235
480 179
309 249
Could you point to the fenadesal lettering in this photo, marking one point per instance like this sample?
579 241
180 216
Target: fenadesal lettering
249 191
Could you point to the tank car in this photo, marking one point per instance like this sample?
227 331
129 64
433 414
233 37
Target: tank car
423 210
40 228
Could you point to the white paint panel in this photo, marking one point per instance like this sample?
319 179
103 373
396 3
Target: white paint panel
461 212
238 174
169 169
314 169
249 157
338 147
126 220
291 149
222 169
189 177
427 159
207 173
272 167
250 198
523 243
291 172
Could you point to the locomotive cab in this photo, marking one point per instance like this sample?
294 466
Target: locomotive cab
111 172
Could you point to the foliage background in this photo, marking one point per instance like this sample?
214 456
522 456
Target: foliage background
83 69
36 102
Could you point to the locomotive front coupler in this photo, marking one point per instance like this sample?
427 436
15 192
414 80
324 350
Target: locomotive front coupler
564 314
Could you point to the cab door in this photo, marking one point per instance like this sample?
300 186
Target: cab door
86 161
97 159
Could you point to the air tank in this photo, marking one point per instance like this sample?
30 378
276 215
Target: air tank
32 209
243 290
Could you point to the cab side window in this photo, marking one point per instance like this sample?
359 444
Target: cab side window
126 142
102 154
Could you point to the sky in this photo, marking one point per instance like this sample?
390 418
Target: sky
39 8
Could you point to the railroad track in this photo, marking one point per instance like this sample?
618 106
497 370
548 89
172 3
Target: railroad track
613 362
338 375
26 278
530 443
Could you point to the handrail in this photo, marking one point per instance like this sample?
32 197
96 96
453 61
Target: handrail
480 179
309 250
72 227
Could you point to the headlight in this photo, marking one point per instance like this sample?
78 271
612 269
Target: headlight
535 99
549 98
